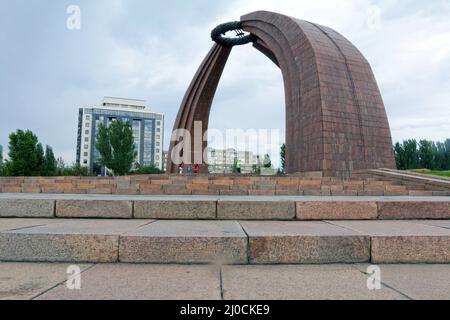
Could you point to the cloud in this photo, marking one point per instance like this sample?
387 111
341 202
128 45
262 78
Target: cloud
151 50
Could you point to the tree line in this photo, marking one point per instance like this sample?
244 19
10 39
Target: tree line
424 154
27 157
115 144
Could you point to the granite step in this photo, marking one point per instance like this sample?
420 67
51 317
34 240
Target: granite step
284 208
230 242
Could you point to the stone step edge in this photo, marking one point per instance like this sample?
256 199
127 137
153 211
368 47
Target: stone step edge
246 249
221 209
434 181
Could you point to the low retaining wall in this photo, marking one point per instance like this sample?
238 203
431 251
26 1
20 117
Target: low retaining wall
219 185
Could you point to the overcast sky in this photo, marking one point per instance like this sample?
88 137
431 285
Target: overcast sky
151 49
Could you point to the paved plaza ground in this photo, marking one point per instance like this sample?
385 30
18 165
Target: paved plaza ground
140 281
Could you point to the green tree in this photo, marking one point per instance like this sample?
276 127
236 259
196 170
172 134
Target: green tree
447 154
427 151
411 154
116 147
399 153
26 155
283 158
50 164
267 162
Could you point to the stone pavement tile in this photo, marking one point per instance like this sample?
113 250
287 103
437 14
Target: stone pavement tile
14 224
94 209
27 208
413 210
421 282
67 241
320 210
143 282
185 242
301 282
403 241
175 209
436 223
24 281
250 209
275 242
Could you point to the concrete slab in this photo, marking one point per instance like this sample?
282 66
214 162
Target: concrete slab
143 282
27 208
24 281
7 224
220 242
340 210
420 282
275 242
403 241
67 241
175 209
223 197
435 223
306 282
255 210
413 210
94 209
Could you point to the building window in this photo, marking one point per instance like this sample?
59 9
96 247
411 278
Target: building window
86 139
158 144
88 117
158 129
148 141
85 161
136 127
86 132
85 154
158 123
86 146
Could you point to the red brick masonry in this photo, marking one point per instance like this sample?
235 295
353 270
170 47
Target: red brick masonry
219 185
336 122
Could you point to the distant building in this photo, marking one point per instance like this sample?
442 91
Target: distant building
148 131
223 161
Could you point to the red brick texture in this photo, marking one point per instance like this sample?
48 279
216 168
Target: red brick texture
219 185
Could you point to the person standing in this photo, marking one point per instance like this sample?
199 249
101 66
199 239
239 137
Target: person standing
180 169
196 168
238 167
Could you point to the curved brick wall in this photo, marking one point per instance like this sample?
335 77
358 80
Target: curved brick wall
335 117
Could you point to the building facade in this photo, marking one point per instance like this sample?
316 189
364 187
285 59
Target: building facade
147 126
224 161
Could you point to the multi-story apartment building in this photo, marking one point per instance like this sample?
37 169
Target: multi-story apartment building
223 161
148 131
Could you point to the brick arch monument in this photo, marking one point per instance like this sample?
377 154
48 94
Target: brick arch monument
336 122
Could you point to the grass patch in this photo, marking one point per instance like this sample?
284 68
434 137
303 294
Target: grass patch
445 174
